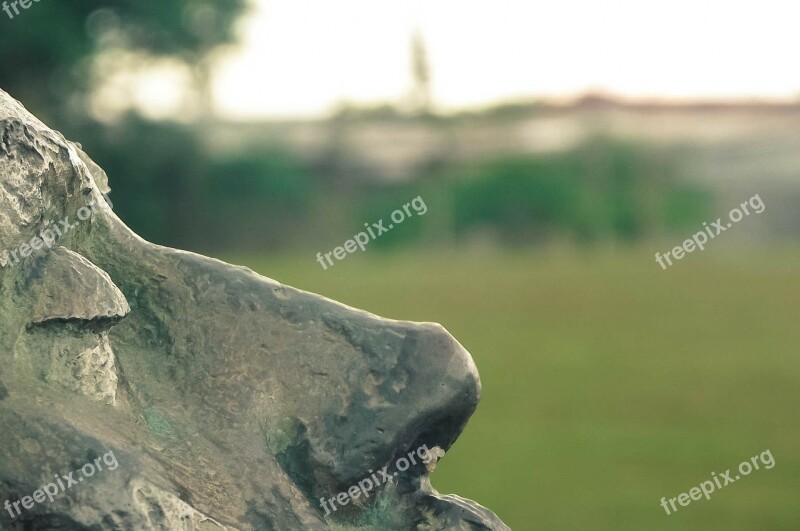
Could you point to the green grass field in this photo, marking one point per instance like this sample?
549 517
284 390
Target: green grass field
607 382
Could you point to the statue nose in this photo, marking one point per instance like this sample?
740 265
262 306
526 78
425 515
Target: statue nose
445 386
421 388
448 389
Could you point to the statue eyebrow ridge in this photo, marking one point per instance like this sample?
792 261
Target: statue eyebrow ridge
74 291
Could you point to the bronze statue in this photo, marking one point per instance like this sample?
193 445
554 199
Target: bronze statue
226 399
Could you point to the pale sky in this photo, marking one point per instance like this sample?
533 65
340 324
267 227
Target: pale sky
300 58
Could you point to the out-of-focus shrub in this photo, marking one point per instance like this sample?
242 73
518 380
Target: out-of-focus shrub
601 190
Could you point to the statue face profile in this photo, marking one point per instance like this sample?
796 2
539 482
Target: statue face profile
229 399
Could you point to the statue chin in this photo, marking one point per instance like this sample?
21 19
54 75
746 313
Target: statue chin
228 400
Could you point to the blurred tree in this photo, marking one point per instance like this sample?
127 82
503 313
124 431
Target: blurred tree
58 58
47 52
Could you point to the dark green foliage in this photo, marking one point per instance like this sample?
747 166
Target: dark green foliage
516 195
601 190
179 193
380 204
273 178
45 50
684 206
157 194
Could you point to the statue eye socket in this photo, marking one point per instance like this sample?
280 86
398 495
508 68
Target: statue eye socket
72 290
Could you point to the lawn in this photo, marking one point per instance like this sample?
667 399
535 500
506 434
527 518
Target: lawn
607 382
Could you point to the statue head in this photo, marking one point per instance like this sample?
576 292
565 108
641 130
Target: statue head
228 399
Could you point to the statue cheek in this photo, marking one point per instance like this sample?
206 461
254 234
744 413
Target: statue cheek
58 356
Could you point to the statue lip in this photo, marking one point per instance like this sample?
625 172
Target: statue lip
451 510
412 491
457 512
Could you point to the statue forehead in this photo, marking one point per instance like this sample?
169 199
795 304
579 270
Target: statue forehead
39 173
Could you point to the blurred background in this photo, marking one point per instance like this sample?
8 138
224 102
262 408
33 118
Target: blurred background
557 147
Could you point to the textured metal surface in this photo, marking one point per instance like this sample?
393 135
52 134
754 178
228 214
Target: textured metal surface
229 399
